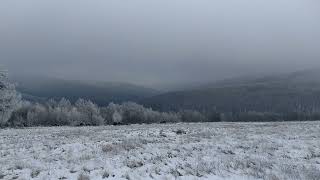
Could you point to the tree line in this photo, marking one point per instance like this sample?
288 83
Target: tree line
86 113
15 112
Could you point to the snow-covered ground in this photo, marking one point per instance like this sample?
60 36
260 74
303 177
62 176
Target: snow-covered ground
167 151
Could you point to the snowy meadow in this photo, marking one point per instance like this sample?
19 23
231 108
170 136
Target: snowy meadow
272 151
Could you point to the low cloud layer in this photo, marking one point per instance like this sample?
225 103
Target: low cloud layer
154 42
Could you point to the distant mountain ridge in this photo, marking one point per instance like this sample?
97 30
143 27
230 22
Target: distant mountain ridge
44 88
272 93
276 93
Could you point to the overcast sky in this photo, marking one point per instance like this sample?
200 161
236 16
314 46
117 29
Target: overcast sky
158 41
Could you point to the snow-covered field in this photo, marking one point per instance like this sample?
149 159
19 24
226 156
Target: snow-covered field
167 151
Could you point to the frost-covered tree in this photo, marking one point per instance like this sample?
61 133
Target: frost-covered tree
90 113
192 116
59 113
9 98
38 115
133 113
108 112
117 118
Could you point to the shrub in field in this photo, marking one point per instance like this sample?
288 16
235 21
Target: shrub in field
126 145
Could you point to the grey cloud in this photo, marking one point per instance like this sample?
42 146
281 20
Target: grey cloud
150 42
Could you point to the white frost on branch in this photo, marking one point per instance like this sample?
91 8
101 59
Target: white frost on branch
9 98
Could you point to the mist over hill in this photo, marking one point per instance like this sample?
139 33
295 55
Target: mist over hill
273 93
43 88
270 93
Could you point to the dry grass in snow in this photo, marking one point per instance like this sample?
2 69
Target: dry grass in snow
269 151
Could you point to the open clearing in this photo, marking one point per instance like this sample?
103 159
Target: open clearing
163 151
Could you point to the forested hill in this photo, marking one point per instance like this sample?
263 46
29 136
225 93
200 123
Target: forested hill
299 91
277 93
43 88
